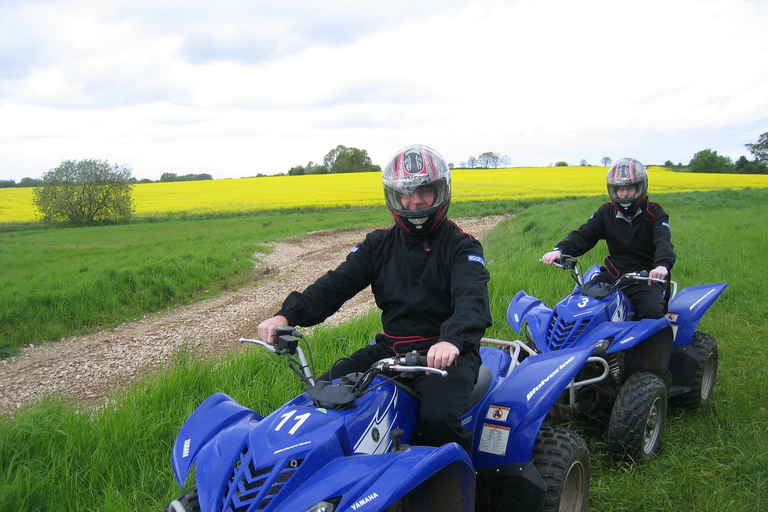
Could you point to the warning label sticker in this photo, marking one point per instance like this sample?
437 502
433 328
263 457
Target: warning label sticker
494 439
497 413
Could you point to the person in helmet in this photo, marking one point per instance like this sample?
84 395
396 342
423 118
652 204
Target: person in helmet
636 232
429 280
638 237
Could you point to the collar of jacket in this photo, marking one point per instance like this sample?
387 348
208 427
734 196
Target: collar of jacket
423 239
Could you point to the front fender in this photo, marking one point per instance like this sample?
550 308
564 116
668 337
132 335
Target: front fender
519 307
626 334
516 408
216 413
688 307
435 477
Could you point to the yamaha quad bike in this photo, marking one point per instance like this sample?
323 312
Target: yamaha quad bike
345 445
636 365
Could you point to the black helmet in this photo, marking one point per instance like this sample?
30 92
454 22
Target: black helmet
417 168
627 172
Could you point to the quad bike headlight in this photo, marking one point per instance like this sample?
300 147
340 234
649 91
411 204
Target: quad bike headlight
324 506
601 346
528 335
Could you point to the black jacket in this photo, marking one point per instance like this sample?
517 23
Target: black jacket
426 287
641 243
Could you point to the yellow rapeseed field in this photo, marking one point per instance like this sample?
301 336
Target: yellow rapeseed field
365 189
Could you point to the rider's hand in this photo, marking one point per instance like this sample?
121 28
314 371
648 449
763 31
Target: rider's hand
551 257
267 328
442 355
659 272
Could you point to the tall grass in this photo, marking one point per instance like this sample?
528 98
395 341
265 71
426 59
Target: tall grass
54 457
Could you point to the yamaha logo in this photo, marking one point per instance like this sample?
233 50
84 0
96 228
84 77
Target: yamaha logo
375 435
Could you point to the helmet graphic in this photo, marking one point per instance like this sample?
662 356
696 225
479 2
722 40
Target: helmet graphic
627 172
417 188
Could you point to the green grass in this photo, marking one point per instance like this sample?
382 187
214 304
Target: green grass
60 282
54 457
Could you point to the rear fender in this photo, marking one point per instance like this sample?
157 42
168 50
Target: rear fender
688 307
519 307
216 413
434 478
514 411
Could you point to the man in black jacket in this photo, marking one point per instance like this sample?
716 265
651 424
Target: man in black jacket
429 280
638 237
637 234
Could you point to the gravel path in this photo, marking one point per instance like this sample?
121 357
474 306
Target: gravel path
89 368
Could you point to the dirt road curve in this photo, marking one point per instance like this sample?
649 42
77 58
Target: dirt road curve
89 368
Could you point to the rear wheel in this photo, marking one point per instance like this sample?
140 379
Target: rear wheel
637 419
704 380
562 459
185 503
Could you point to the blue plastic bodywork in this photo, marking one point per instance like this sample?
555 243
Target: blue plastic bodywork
302 454
579 320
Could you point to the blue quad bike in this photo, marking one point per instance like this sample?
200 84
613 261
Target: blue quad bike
636 367
345 445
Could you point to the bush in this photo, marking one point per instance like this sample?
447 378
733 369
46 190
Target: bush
85 192
709 161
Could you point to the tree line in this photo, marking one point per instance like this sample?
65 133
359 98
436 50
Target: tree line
709 161
165 177
340 159
703 161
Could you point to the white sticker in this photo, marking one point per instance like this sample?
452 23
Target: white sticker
497 413
494 439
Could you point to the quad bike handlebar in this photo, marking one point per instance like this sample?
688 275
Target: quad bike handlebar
349 387
567 262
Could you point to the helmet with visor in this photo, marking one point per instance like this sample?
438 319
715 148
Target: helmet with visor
627 182
417 188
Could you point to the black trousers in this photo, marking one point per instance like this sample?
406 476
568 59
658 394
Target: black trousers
647 299
443 399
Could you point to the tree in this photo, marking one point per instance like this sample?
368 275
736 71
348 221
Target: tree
344 159
488 159
744 166
85 192
330 159
760 149
606 160
709 161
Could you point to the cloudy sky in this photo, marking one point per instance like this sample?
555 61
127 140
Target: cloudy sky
239 87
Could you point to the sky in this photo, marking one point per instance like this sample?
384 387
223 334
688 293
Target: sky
236 88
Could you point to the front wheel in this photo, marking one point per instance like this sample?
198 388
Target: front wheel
562 459
704 380
185 503
637 419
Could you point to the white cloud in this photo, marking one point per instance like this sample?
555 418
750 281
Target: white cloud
243 87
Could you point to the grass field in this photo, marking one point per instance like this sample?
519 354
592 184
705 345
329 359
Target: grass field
56 457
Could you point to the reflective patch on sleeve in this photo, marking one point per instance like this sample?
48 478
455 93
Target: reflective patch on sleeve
476 258
666 224
355 249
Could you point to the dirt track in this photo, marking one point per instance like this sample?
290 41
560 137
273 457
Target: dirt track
89 368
